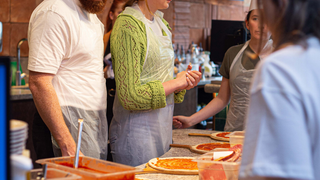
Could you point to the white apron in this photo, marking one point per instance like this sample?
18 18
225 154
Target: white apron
240 80
138 136
80 87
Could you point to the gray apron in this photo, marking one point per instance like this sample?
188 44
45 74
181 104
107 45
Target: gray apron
138 136
240 81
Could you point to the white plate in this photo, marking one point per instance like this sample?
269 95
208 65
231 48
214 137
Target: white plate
19 131
17 144
17 150
19 136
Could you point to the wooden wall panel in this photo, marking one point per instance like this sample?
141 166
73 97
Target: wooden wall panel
181 36
198 16
169 15
232 12
197 36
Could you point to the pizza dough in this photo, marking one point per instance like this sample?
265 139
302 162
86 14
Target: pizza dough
221 136
179 165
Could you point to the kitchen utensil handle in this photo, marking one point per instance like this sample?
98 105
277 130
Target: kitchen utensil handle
76 158
44 171
197 134
180 146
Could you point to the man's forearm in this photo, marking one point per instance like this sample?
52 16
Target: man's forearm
48 106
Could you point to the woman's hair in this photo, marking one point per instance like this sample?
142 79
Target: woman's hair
130 3
248 15
113 7
247 20
296 21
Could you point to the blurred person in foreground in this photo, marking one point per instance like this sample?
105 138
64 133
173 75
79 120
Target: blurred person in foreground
282 139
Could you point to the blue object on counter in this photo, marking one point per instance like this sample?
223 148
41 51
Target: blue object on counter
4 117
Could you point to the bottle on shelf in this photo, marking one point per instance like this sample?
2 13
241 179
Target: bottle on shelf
183 55
178 55
188 56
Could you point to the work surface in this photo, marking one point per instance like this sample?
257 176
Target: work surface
180 136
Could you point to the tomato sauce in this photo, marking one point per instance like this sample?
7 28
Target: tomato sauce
223 134
211 146
186 164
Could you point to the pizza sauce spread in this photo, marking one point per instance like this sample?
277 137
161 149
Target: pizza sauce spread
223 134
211 146
186 164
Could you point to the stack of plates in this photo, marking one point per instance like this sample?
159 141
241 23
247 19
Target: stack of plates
18 136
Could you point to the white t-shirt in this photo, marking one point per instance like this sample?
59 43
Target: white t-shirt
66 41
283 125
155 27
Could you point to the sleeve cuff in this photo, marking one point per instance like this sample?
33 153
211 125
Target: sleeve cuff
158 95
179 97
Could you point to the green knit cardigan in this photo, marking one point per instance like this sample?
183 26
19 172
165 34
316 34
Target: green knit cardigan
128 48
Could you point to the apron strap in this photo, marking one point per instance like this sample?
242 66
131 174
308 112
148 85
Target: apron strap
239 54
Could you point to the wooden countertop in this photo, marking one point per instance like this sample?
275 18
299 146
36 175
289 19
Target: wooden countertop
20 94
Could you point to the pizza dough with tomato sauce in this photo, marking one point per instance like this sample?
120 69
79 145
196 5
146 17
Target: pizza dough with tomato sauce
177 164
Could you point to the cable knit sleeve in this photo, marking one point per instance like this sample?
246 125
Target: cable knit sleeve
179 97
128 49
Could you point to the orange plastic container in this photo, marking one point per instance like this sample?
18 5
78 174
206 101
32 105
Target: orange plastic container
216 170
54 174
92 169
236 137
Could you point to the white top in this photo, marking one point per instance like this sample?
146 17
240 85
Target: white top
155 27
67 41
283 125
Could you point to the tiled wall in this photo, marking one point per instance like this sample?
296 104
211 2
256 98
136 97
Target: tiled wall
15 15
191 19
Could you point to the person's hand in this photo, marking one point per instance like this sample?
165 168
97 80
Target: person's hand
182 78
69 147
181 122
105 72
71 153
193 78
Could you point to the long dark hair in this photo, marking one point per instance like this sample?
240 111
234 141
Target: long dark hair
247 20
296 21
112 9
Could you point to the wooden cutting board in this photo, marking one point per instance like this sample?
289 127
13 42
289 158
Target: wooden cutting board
213 136
194 148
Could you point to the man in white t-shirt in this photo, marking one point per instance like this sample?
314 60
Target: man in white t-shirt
66 74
